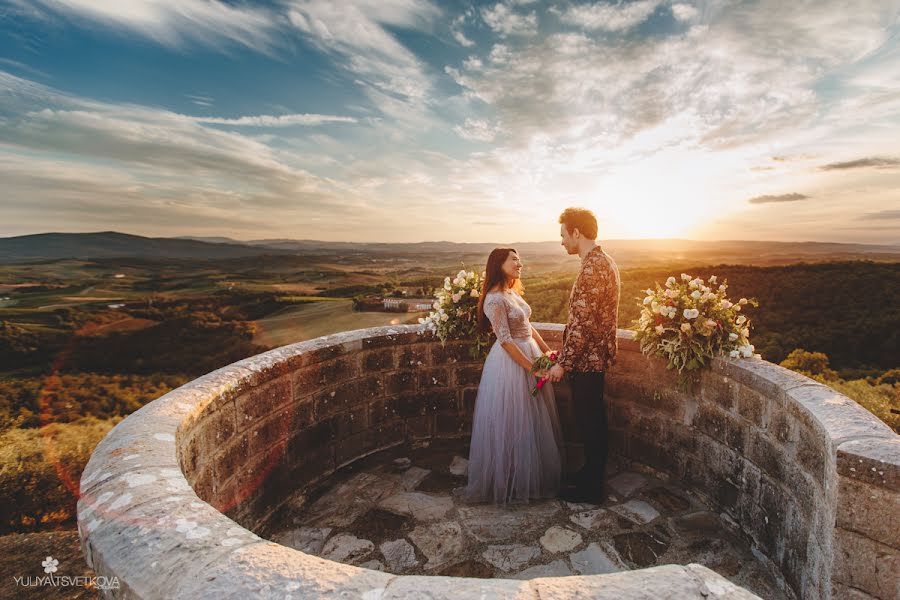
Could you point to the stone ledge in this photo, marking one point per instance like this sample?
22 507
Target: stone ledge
874 460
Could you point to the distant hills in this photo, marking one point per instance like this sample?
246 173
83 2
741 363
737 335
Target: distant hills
111 244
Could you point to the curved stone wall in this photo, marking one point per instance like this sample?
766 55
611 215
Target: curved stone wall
171 496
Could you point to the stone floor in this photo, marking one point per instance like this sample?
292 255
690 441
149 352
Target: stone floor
400 512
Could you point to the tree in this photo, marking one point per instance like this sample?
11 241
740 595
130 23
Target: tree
809 363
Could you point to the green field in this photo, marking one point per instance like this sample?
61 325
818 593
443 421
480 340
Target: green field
307 321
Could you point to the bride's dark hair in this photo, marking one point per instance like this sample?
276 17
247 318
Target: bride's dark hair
493 274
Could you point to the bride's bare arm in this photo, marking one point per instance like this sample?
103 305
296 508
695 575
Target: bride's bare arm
540 341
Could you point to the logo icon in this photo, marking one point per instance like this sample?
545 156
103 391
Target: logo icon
49 564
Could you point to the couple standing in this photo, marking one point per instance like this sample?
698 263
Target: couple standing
516 448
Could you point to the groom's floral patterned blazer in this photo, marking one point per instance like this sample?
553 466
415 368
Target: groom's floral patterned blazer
589 340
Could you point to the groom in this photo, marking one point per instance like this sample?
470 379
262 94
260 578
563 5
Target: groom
589 347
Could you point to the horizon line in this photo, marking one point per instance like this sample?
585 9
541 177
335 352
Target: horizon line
308 240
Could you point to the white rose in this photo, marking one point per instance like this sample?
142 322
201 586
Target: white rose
723 287
737 308
741 320
648 300
712 279
470 275
686 327
446 280
696 294
691 313
649 291
421 321
726 304
660 329
455 297
445 317
670 281
743 301
475 293
685 277
654 306
461 274
447 286
735 354
672 293
732 337
457 281
436 305
746 351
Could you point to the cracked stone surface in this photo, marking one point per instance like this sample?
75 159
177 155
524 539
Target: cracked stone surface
638 511
560 539
347 548
510 557
399 555
406 520
595 560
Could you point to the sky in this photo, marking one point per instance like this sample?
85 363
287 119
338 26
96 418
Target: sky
413 120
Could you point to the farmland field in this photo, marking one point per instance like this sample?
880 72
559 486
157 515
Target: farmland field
307 321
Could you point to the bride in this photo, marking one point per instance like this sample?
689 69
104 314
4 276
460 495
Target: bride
515 448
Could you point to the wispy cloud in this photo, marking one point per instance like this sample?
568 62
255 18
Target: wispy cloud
767 199
863 163
356 32
506 21
173 24
276 121
882 215
614 17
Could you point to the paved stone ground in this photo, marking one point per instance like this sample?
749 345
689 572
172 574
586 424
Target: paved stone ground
400 512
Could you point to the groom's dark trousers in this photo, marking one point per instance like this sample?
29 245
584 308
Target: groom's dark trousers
590 414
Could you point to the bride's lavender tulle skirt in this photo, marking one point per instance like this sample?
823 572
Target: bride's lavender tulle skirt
515 453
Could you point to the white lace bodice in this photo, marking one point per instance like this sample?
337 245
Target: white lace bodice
508 313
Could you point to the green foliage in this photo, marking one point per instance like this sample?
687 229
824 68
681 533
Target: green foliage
809 363
40 470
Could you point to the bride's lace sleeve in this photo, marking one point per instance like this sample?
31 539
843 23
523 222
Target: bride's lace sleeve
495 309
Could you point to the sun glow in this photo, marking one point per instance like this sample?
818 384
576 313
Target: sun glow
658 198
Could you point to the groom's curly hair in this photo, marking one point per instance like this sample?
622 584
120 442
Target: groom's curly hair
581 219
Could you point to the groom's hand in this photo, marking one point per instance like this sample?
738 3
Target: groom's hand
556 373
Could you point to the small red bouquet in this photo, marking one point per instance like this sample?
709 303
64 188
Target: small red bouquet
542 363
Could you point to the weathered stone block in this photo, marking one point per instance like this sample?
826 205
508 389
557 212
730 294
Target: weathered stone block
376 361
467 376
331 372
434 377
396 338
275 428
451 424
873 461
450 353
753 406
866 565
400 381
420 427
413 356
258 403
869 510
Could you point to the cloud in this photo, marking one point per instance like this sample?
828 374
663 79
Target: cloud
611 17
477 130
277 121
863 163
504 20
779 198
356 32
172 24
684 12
882 215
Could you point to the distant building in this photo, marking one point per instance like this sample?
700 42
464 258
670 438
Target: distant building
408 304
114 305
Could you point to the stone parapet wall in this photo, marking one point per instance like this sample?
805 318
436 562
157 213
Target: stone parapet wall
172 495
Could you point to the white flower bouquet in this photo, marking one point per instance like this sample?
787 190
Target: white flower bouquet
455 314
689 321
